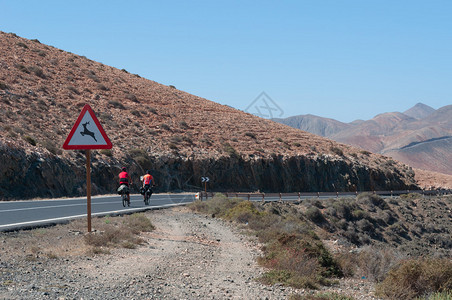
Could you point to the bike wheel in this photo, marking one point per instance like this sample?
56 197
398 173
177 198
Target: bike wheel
124 200
146 199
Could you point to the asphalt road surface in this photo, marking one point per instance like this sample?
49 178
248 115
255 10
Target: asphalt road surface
28 214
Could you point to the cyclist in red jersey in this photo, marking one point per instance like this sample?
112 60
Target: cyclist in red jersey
125 179
148 180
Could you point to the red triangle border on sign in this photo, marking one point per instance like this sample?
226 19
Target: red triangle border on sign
66 145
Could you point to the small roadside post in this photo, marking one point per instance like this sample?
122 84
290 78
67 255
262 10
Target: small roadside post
205 180
87 134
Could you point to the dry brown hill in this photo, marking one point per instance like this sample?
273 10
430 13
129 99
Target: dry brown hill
179 135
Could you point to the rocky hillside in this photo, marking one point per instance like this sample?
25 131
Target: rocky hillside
420 137
179 136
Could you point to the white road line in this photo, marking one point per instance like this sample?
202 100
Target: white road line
45 207
84 215
66 205
61 199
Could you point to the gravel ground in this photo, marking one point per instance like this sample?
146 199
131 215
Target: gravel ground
188 256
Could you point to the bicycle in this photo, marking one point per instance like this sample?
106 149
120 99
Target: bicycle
147 195
124 197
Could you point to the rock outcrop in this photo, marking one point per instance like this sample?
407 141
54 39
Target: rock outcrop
31 174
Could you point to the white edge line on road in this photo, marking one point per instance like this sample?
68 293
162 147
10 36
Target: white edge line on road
93 197
49 221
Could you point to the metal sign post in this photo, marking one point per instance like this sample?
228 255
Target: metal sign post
88 188
87 134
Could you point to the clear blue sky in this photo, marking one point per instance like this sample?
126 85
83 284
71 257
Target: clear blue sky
339 59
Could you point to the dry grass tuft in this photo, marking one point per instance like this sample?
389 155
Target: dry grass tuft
124 234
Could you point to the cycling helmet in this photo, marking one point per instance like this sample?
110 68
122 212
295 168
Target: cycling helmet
148 172
123 168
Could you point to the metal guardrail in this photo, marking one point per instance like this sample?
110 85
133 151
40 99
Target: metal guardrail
298 196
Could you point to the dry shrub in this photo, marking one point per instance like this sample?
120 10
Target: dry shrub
98 250
113 234
138 223
301 258
198 206
288 278
109 237
348 263
372 200
375 263
321 296
315 215
371 263
417 278
342 209
243 212
219 205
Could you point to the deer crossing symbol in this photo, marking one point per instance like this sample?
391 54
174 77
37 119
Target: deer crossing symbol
87 132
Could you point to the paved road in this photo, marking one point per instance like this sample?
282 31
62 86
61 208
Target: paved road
25 214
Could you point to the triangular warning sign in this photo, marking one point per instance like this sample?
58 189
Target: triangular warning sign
87 133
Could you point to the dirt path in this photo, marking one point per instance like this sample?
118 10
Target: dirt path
188 256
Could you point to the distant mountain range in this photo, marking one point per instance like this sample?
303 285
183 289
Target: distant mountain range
420 136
